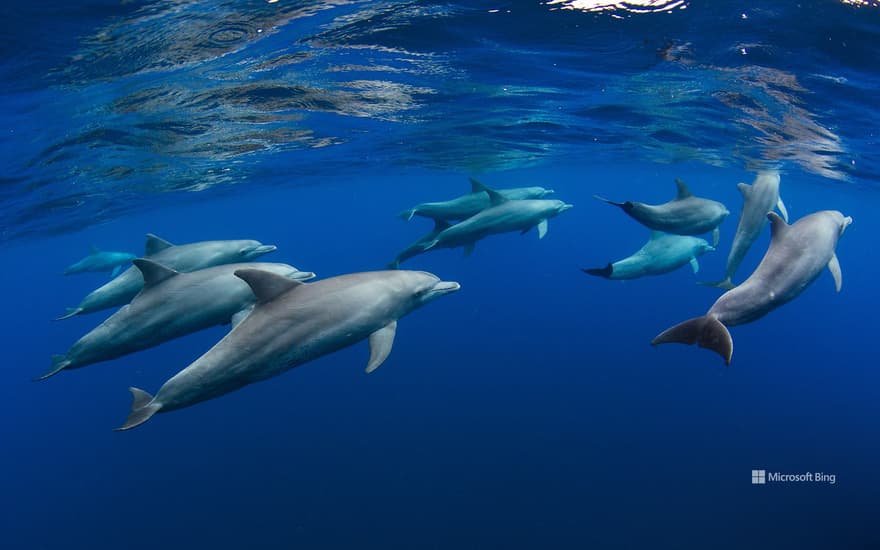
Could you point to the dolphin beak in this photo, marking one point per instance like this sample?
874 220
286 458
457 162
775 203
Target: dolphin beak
565 207
445 287
548 192
302 275
264 249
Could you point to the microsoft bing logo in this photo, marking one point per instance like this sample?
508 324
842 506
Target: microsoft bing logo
759 477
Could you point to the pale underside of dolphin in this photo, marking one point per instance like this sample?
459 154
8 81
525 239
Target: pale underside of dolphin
172 304
185 257
684 215
662 253
795 258
759 199
465 206
292 324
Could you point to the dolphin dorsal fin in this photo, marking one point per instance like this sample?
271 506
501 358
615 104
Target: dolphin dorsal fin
153 272
94 249
266 286
476 186
683 191
495 197
440 225
155 245
778 227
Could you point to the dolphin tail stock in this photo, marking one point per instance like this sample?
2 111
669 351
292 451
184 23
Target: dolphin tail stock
600 271
726 283
142 409
71 312
59 363
707 332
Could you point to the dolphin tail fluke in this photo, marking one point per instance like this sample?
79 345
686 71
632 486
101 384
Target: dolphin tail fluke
407 215
71 312
707 332
726 284
59 363
142 409
600 271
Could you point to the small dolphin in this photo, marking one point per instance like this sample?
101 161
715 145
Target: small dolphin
661 254
795 259
685 215
503 216
759 199
101 260
419 246
184 257
171 305
292 324
465 206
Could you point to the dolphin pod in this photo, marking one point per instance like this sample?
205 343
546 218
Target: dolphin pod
684 215
171 305
465 206
292 324
795 258
101 260
661 254
184 257
759 199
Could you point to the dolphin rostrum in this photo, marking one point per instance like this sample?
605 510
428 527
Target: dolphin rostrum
504 215
465 206
795 258
184 257
292 324
759 199
172 304
684 215
661 254
101 260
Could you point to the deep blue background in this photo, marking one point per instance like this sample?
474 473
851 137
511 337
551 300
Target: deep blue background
527 410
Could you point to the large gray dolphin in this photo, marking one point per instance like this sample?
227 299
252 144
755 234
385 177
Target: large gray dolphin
465 206
101 260
183 257
759 199
172 304
503 216
419 246
662 253
796 256
292 324
684 215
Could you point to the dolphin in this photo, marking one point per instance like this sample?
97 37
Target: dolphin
661 254
172 304
795 258
184 257
419 246
684 215
759 199
292 324
101 260
502 216
465 206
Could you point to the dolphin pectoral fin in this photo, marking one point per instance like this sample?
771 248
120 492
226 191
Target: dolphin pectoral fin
142 409
609 201
469 249
407 215
115 271
600 271
695 265
240 316
381 343
781 207
543 227
744 188
716 236
834 267
726 284
59 363
71 311
707 332
430 245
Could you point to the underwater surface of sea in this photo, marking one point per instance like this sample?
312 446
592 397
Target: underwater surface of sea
526 410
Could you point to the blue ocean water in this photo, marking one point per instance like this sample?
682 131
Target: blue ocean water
527 410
